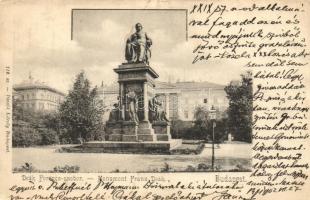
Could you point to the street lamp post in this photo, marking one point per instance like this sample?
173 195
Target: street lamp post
213 117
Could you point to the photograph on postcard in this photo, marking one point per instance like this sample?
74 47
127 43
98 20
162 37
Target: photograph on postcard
123 95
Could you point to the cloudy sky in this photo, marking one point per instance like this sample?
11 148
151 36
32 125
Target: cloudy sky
43 46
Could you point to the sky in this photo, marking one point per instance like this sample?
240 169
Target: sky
43 46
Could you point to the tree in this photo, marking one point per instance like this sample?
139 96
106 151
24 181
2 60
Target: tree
200 116
17 110
201 123
81 113
240 111
203 127
48 136
25 137
180 128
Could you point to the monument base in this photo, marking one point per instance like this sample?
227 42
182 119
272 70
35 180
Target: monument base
146 132
114 131
115 137
130 130
163 137
162 130
156 147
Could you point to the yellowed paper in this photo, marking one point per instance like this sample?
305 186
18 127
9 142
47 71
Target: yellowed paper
186 100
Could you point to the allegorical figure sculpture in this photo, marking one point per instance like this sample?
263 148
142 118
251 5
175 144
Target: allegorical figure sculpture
114 114
132 106
138 46
156 110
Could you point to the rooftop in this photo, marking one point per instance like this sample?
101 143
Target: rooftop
195 85
30 83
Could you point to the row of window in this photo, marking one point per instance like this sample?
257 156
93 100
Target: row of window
41 106
50 97
205 100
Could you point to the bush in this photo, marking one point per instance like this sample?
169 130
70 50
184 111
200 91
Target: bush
48 136
203 166
166 168
36 128
27 167
179 128
28 136
199 131
240 168
25 137
66 169
190 168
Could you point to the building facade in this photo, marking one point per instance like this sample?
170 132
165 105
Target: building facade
179 99
200 94
37 96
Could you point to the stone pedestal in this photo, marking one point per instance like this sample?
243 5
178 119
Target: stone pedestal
146 132
137 78
136 134
162 130
114 130
154 147
130 130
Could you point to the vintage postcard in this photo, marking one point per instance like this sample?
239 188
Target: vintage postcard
154 100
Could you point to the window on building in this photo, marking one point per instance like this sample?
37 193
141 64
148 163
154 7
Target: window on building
215 100
205 100
186 114
27 96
